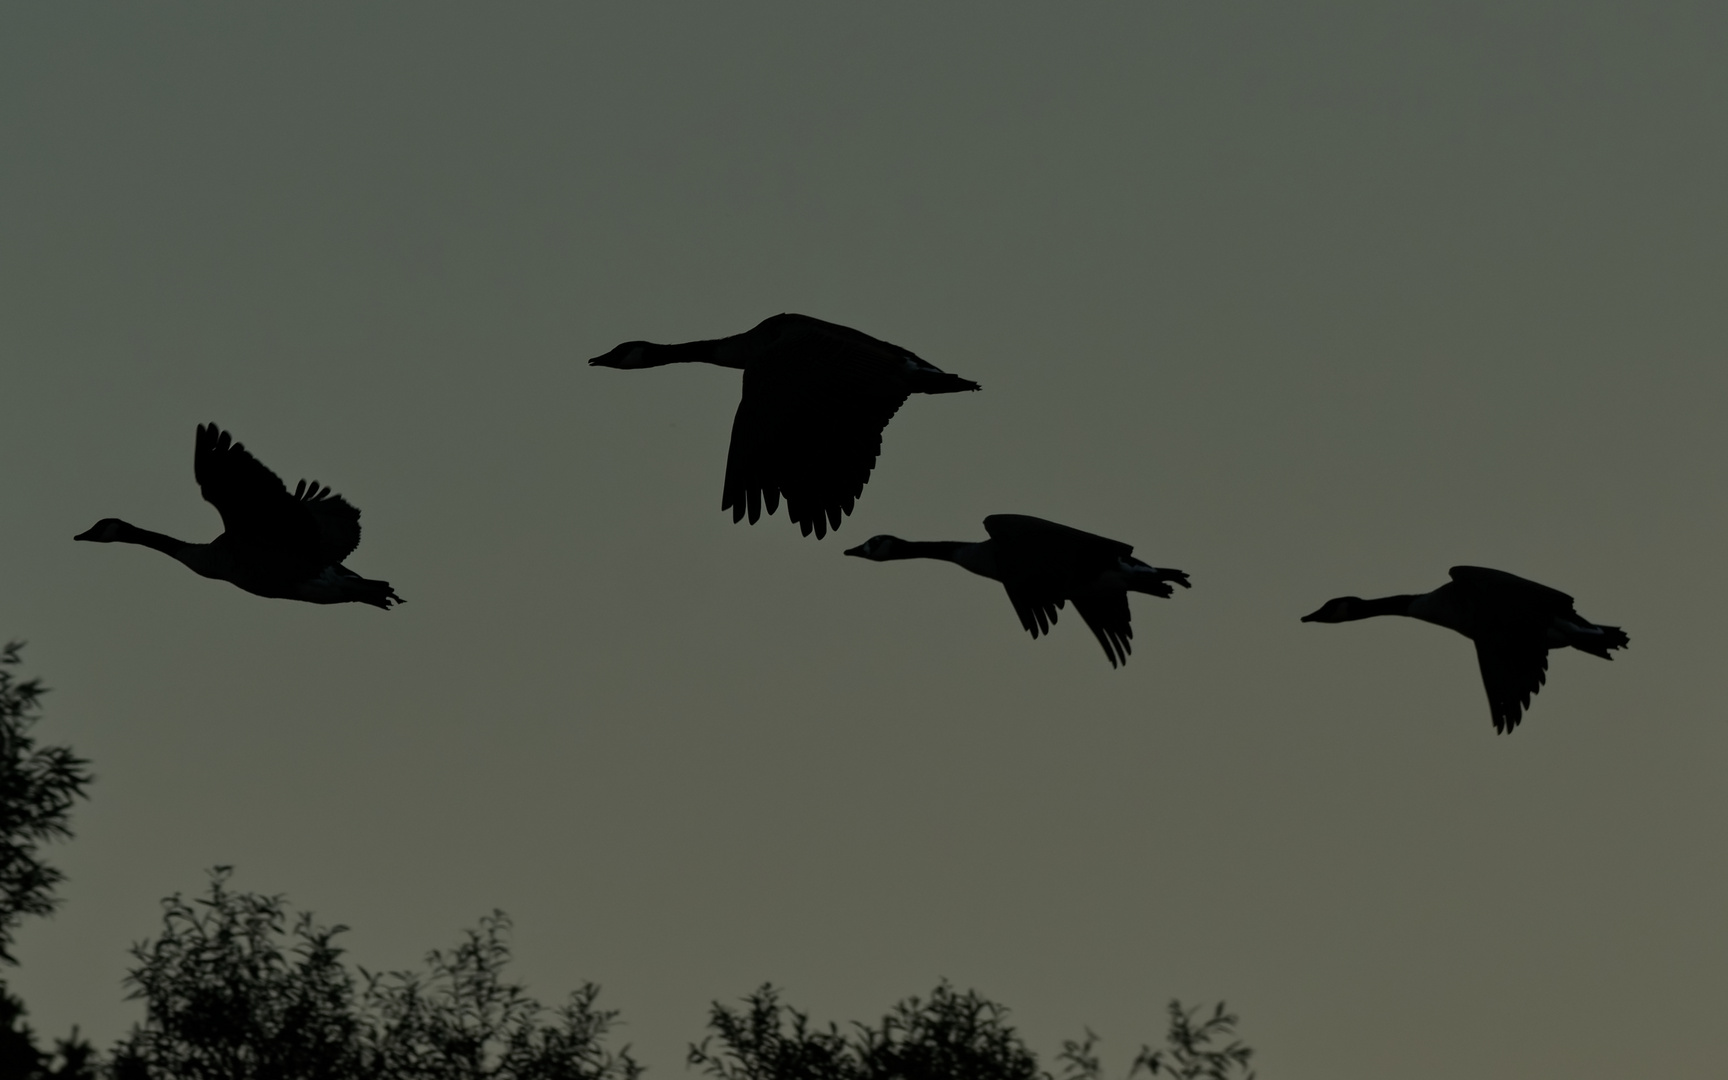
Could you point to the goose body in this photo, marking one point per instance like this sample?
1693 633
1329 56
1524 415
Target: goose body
276 544
1513 621
1042 564
817 397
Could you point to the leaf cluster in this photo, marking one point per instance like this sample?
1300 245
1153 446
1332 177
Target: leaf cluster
38 786
1189 1051
239 987
71 1059
949 1036
462 1020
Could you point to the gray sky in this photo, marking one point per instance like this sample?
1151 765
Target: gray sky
1304 302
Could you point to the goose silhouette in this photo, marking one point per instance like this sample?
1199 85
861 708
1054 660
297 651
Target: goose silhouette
1042 564
1513 621
276 544
817 397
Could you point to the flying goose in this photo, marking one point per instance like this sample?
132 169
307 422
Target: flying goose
273 544
1513 621
817 397
1042 564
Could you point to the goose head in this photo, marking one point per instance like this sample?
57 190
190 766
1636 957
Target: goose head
877 548
630 356
1341 609
106 531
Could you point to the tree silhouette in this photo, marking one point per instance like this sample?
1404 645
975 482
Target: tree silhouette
461 1021
1189 1051
240 987
38 786
20 1059
949 1036
952 1036
227 997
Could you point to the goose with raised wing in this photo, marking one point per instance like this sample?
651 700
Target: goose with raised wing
1513 621
1042 564
817 397
276 544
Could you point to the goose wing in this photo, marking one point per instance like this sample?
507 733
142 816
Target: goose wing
1042 564
1513 670
1034 547
1106 614
255 506
809 426
337 520
1028 532
1037 608
311 526
1510 590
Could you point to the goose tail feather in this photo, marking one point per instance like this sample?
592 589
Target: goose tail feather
340 585
1597 640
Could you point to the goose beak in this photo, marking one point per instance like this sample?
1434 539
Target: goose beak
87 534
858 551
1315 617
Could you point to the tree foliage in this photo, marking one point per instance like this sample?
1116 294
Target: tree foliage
230 992
461 1020
240 987
949 1036
20 1059
1191 1050
38 786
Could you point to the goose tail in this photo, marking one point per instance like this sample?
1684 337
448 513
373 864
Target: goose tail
932 381
1597 640
340 585
377 593
1156 580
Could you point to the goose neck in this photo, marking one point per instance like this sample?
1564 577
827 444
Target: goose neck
980 558
168 545
721 353
1402 604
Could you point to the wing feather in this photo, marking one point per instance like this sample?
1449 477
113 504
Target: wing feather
809 428
311 528
1106 613
1037 611
337 520
1512 673
1043 563
247 495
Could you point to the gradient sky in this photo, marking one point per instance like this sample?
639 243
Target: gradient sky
1304 302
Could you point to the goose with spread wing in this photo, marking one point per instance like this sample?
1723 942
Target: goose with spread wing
273 543
1042 564
1513 621
817 397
